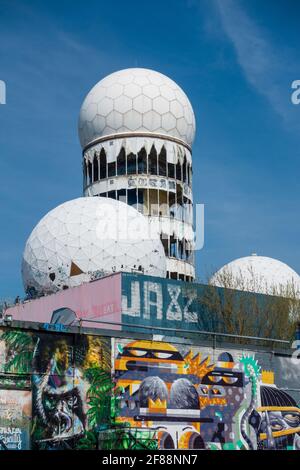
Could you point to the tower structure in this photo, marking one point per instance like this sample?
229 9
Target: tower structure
136 129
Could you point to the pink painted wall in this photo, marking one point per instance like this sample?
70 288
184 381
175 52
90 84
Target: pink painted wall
97 300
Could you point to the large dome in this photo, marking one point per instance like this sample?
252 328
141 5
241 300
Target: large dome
136 100
259 274
86 238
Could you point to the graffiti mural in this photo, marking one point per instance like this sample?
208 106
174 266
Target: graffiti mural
60 370
15 419
193 402
60 390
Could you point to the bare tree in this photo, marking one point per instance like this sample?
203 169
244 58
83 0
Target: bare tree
236 308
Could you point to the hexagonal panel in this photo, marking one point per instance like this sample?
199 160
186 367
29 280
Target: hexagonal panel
114 90
133 120
182 125
167 92
151 121
123 104
124 79
161 105
141 80
132 90
108 130
114 120
168 121
152 91
156 78
91 112
105 106
176 109
142 104
99 123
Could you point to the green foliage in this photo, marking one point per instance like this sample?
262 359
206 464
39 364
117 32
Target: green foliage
98 396
20 347
123 437
103 399
88 442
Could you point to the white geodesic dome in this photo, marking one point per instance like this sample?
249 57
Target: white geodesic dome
259 274
88 237
136 100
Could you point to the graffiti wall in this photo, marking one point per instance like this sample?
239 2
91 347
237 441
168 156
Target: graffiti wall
64 374
60 391
15 419
196 398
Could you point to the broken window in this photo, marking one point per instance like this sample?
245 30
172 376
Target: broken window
103 162
142 161
162 162
153 161
111 169
96 169
121 162
171 170
131 164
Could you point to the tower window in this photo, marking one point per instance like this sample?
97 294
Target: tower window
103 161
173 247
165 243
162 162
171 170
140 193
131 164
121 162
142 161
111 169
184 168
121 195
132 197
111 194
90 172
153 161
85 182
96 169
178 171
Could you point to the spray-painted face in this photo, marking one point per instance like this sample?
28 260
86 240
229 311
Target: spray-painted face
64 411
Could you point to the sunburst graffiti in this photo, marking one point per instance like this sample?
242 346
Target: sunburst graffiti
197 367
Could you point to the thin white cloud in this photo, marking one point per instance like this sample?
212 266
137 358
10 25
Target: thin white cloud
265 65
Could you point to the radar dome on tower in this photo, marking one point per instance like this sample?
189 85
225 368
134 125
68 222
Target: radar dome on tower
136 127
136 100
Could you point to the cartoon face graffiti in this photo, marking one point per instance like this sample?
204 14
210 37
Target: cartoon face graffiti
277 420
145 356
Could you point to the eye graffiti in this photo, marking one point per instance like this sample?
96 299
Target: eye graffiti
292 419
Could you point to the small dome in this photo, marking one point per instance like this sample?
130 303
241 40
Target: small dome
85 238
136 100
258 274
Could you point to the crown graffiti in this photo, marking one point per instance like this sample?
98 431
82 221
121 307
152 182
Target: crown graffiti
267 377
157 405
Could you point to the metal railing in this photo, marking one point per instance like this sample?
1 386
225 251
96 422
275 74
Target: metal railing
184 331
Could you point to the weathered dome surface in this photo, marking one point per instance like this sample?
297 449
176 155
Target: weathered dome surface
259 274
136 100
88 237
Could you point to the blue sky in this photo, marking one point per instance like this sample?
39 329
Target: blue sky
235 60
